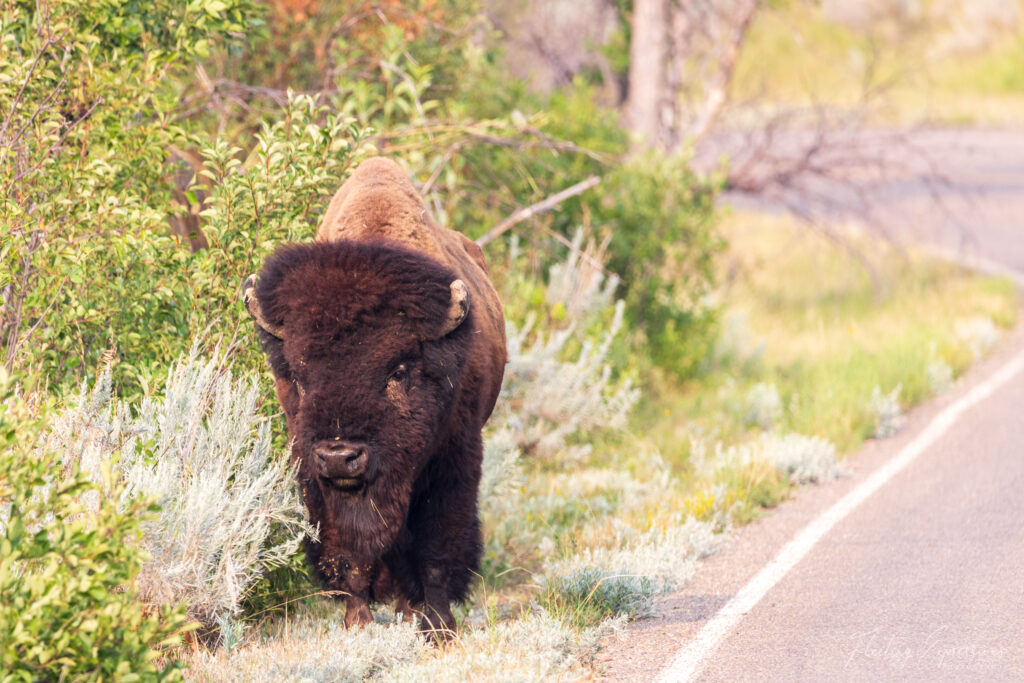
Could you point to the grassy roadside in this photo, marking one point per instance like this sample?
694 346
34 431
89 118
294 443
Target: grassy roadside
582 540
812 346
805 318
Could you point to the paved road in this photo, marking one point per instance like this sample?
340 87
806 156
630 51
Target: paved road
981 205
924 581
974 199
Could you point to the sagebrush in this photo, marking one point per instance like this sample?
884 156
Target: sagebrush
229 508
69 602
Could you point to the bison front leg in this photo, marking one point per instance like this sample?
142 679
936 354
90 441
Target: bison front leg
386 588
357 602
447 542
437 618
353 580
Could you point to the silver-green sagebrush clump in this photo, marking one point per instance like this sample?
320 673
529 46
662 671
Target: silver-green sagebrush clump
800 459
561 383
888 412
228 507
70 609
763 406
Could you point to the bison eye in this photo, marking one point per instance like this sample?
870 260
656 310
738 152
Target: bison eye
399 375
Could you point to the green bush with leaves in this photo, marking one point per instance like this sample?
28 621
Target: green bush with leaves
85 127
91 264
664 245
657 213
99 112
68 606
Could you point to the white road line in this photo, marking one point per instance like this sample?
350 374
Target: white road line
690 659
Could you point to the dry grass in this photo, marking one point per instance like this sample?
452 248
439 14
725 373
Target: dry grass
535 646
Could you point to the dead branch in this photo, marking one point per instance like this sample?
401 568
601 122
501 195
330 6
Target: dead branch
822 165
540 207
445 160
474 132
581 253
716 93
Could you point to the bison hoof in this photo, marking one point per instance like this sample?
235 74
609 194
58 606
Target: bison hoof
405 610
439 627
357 616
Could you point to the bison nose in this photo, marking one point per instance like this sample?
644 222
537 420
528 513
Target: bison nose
342 459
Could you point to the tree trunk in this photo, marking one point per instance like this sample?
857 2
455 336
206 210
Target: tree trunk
646 70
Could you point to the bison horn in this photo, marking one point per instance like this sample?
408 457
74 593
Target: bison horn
458 308
252 304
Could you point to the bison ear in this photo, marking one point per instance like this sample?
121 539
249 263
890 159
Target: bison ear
458 307
252 304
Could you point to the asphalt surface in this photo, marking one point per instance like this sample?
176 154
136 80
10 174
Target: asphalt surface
976 202
924 581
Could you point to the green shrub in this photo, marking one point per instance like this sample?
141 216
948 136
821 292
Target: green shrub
86 175
664 245
589 595
86 125
68 605
105 274
658 214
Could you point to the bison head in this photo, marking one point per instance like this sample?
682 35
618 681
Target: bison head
373 339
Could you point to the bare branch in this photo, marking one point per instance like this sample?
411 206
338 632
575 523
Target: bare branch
716 93
449 153
540 207
580 252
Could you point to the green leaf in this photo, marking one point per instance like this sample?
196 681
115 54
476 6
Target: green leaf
15 530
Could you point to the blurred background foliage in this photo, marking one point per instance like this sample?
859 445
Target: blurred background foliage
153 154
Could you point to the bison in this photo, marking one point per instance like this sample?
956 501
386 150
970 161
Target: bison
387 344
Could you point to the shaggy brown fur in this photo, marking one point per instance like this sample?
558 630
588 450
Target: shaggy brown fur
362 359
378 203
